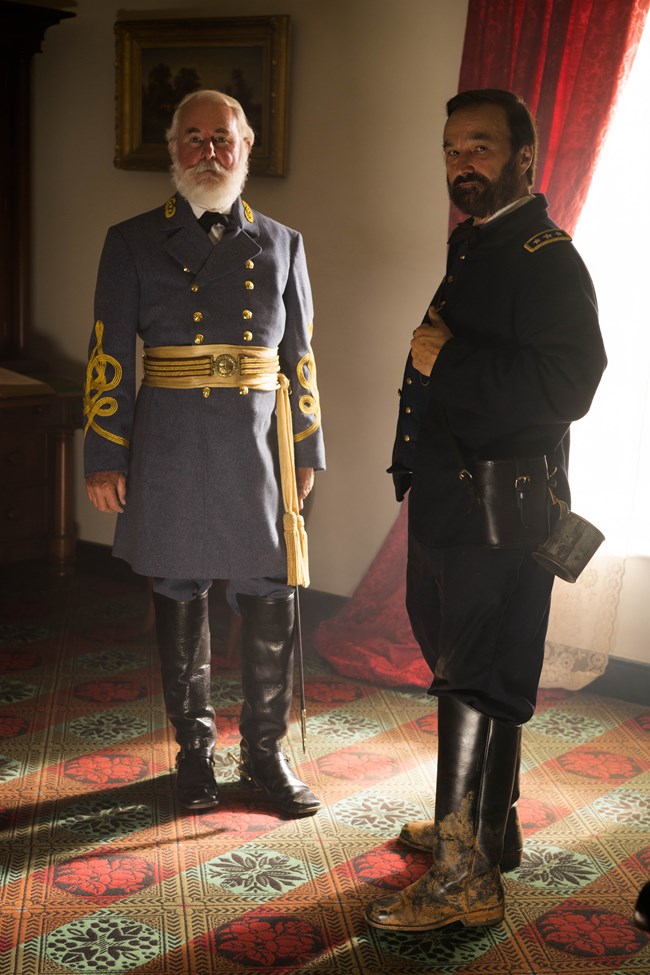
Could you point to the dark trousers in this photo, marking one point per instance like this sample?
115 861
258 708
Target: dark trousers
480 617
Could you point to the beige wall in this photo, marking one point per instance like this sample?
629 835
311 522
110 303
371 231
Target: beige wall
365 187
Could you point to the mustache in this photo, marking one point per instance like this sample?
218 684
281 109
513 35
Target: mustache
208 166
471 178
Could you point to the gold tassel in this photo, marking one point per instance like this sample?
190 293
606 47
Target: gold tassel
295 535
295 538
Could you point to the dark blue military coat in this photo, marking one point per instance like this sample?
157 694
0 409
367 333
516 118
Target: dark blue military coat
525 360
203 491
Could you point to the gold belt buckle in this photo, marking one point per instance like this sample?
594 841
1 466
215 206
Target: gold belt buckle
224 365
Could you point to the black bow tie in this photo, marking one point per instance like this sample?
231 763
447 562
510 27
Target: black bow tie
208 219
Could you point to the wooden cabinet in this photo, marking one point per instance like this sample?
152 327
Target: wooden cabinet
36 509
35 430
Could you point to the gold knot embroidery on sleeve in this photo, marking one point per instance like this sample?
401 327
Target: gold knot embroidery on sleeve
309 402
98 383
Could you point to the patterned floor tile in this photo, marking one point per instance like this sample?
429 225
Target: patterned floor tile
101 872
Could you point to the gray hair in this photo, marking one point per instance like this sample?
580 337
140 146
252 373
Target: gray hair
219 98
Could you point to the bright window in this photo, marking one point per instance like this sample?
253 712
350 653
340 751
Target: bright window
610 463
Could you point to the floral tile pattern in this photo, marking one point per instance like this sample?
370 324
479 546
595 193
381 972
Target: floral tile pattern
100 872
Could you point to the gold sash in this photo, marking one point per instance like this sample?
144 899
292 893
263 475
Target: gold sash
248 367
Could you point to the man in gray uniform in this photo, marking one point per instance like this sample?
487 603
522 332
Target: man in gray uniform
209 465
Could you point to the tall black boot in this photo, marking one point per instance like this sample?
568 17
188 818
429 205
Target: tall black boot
642 908
420 833
267 684
183 635
477 759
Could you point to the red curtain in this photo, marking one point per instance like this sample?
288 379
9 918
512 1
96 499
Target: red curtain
567 60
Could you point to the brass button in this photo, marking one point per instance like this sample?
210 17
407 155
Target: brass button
186 270
198 338
407 439
194 286
198 316
243 390
248 336
250 265
249 285
247 314
206 392
450 278
409 381
408 409
462 257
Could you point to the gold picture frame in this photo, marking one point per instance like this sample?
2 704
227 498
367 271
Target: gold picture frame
158 62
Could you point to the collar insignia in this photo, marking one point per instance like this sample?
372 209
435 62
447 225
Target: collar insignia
545 237
248 213
170 207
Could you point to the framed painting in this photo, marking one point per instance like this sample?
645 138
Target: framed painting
158 62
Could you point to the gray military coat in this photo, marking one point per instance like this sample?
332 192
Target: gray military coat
203 489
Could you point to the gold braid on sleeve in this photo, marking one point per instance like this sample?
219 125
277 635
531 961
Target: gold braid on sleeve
96 403
309 402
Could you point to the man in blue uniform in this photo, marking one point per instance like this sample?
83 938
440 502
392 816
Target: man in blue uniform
208 466
509 353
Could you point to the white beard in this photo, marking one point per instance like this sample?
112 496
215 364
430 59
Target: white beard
216 192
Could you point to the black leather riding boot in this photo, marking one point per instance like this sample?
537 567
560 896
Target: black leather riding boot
642 908
420 833
267 684
477 760
183 635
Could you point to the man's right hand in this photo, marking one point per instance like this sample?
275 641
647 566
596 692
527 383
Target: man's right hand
107 490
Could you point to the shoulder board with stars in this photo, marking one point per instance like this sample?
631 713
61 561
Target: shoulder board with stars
248 213
546 237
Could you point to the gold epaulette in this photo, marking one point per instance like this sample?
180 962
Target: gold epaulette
545 237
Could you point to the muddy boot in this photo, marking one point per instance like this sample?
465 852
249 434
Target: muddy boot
419 834
267 684
477 759
184 647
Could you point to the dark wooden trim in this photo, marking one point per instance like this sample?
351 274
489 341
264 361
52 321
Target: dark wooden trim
628 680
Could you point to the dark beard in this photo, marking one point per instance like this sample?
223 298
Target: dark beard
490 195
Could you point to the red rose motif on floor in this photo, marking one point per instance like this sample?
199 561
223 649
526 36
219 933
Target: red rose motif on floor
11 726
324 692
227 727
265 942
389 869
605 766
357 766
237 821
106 769
110 876
428 724
109 691
24 660
536 815
588 933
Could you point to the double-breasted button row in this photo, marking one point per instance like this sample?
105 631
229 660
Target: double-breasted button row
247 314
